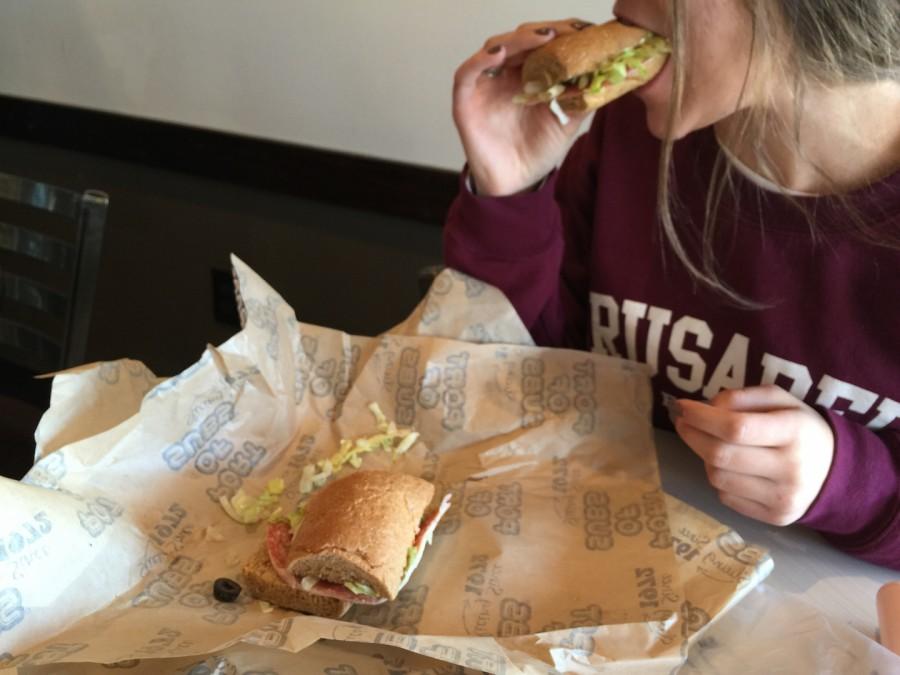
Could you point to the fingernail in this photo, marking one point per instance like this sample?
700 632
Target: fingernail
492 72
581 25
673 406
495 49
546 30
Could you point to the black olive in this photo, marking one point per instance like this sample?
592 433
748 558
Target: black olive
226 590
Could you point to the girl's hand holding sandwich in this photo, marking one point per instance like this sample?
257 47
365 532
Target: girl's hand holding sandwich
767 453
509 147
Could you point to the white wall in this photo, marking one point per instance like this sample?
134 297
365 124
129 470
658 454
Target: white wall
370 77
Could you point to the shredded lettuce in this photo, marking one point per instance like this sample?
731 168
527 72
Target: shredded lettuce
360 588
247 510
389 438
627 64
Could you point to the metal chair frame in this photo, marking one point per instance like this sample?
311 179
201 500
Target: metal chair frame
79 260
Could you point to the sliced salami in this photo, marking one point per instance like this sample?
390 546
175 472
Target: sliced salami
278 539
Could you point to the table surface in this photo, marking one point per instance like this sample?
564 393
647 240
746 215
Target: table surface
839 585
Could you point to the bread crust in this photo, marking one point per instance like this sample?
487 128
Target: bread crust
577 53
263 583
359 528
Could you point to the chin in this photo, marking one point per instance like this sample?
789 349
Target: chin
657 123
657 115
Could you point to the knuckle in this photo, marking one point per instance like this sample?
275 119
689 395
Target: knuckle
793 475
725 398
718 479
720 456
784 500
737 429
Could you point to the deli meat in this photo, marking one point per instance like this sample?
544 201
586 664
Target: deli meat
278 539
341 592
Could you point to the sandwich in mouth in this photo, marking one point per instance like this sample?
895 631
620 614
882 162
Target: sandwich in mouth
583 71
359 542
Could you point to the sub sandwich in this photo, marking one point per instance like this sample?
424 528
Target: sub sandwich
582 71
359 541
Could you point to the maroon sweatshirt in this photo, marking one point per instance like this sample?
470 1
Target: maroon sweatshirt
583 261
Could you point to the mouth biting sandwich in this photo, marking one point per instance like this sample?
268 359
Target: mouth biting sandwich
583 71
360 539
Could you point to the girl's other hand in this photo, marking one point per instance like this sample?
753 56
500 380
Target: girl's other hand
509 147
767 453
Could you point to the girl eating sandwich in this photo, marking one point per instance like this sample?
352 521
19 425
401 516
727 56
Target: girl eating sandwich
733 222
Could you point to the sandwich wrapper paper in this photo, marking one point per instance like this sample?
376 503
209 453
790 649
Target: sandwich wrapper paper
560 553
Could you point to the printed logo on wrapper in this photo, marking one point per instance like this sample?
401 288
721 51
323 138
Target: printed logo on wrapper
565 501
440 385
598 533
483 578
407 375
514 618
580 632
170 531
693 618
195 441
25 545
477 333
12 612
731 545
49 654
97 514
332 378
272 635
442 652
164 642
732 560
163 589
507 507
215 456
631 519
484 660
400 616
306 361
24 536
474 287
265 317
559 396
48 472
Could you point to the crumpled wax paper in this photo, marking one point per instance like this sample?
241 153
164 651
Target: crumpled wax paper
560 552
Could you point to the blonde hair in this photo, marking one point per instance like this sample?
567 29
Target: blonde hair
807 43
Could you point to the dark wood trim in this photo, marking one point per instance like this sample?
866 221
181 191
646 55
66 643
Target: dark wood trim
382 186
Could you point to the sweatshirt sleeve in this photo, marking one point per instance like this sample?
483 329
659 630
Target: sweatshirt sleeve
534 246
858 509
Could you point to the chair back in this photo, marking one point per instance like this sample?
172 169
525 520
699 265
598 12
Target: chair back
50 243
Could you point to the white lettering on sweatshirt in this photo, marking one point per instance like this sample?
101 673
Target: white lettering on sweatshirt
689 341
